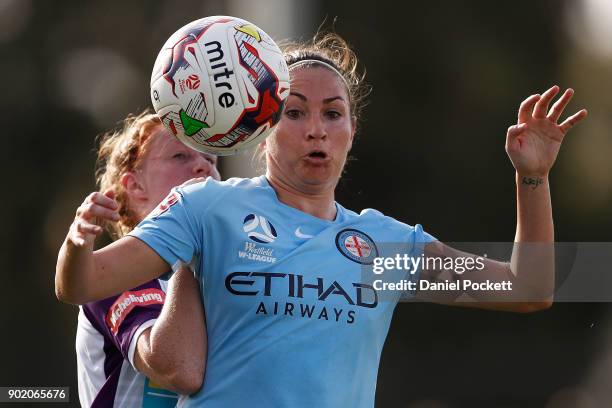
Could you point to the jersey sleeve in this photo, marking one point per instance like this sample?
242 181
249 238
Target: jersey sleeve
172 229
416 239
419 238
121 319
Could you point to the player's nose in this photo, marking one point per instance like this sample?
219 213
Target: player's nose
203 166
316 128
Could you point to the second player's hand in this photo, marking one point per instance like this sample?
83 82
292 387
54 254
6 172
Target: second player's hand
90 216
533 143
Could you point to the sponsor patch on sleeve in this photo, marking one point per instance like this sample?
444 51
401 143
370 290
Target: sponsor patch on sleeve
166 203
128 301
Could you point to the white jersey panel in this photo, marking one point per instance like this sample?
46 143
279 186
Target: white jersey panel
89 349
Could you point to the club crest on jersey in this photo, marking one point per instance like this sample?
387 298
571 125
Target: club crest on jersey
259 229
356 246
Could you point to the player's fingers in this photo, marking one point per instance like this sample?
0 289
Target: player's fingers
83 227
100 199
90 211
539 112
78 241
572 120
106 200
526 108
557 109
82 232
91 197
110 193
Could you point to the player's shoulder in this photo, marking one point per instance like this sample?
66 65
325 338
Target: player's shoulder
205 194
370 214
234 185
384 222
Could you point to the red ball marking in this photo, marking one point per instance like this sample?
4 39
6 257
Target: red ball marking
269 107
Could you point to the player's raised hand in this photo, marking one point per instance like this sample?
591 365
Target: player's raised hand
95 210
533 143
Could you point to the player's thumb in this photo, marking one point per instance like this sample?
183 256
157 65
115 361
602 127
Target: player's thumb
516 130
110 193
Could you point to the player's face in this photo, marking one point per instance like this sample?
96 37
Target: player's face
168 163
309 147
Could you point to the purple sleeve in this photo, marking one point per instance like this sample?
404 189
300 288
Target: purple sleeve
117 318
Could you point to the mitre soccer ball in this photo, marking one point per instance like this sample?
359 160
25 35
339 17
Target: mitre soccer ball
219 84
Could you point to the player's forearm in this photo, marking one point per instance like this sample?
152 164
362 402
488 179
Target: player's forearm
74 265
177 342
81 276
533 256
84 276
180 329
160 370
533 209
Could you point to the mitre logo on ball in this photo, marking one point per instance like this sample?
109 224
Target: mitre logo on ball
219 84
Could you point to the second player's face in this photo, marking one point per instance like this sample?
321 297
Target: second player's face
308 149
168 163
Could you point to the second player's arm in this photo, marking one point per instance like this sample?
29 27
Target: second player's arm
83 275
172 353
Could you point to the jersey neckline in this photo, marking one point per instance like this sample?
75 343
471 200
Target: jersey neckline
263 180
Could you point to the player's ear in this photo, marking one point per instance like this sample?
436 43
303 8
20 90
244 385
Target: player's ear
133 186
353 130
260 152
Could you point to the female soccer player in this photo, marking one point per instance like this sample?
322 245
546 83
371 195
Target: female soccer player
128 347
291 321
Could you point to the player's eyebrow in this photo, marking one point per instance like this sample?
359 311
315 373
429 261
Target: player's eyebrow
299 95
326 100
333 98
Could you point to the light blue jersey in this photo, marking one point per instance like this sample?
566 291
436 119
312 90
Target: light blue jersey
290 322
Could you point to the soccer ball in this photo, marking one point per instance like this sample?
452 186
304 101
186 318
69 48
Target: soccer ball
219 84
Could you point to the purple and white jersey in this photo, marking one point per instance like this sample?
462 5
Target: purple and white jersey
107 335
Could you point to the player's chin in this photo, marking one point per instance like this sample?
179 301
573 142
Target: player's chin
320 176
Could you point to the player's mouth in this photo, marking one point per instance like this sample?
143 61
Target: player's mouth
317 157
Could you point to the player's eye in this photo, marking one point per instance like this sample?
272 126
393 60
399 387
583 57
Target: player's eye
293 113
211 159
179 156
333 114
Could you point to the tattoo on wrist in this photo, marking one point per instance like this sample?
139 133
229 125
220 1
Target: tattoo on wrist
532 181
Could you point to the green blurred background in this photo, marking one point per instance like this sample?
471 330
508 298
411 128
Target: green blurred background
447 81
